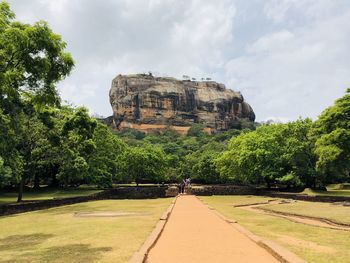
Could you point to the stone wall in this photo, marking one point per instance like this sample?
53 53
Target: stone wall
223 190
143 192
148 192
16 208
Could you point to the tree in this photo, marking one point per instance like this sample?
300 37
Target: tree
143 164
103 162
5 173
77 147
332 133
196 130
272 153
11 163
299 154
32 61
203 168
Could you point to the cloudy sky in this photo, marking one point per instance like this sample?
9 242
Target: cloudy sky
289 58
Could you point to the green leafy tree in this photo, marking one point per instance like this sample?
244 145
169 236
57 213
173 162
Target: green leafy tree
77 147
196 130
32 61
103 163
5 173
11 163
203 168
272 153
143 164
332 133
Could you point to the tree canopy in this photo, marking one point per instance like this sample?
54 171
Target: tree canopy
45 142
332 133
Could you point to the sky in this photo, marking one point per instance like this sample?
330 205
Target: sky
289 58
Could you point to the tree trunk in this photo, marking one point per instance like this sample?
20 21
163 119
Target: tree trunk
20 190
54 182
36 182
268 185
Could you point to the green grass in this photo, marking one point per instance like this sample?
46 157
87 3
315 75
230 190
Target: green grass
314 244
57 235
336 213
46 193
343 186
329 192
244 199
332 190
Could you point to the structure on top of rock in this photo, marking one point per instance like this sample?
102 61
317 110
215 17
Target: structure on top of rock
149 103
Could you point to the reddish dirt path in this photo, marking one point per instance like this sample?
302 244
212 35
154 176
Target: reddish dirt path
194 233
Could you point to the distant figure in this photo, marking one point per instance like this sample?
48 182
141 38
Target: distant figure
182 186
188 183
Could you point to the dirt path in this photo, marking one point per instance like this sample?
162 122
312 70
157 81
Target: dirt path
194 233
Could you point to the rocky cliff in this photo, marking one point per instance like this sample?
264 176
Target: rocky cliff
146 103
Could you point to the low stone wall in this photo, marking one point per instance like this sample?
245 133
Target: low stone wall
302 197
149 192
143 192
222 190
15 208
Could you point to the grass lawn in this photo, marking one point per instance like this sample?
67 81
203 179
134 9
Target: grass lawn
336 213
314 244
49 193
332 190
242 199
57 235
329 192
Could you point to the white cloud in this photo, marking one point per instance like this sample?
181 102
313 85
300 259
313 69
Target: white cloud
271 42
277 9
288 57
111 37
302 72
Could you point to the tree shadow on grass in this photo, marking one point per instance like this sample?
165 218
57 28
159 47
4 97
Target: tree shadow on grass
18 242
72 253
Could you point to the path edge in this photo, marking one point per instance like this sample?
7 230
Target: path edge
277 251
140 256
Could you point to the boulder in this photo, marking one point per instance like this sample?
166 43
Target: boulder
149 103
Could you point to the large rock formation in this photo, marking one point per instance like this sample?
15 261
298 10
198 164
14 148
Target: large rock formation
147 103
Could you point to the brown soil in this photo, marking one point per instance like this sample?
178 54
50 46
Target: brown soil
194 233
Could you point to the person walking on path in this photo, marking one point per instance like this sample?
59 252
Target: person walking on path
182 186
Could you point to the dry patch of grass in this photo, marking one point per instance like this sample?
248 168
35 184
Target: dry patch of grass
232 200
314 244
329 192
337 213
57 235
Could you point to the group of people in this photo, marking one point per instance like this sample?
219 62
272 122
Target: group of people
185 184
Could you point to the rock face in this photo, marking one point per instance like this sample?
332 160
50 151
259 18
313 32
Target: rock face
150 103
